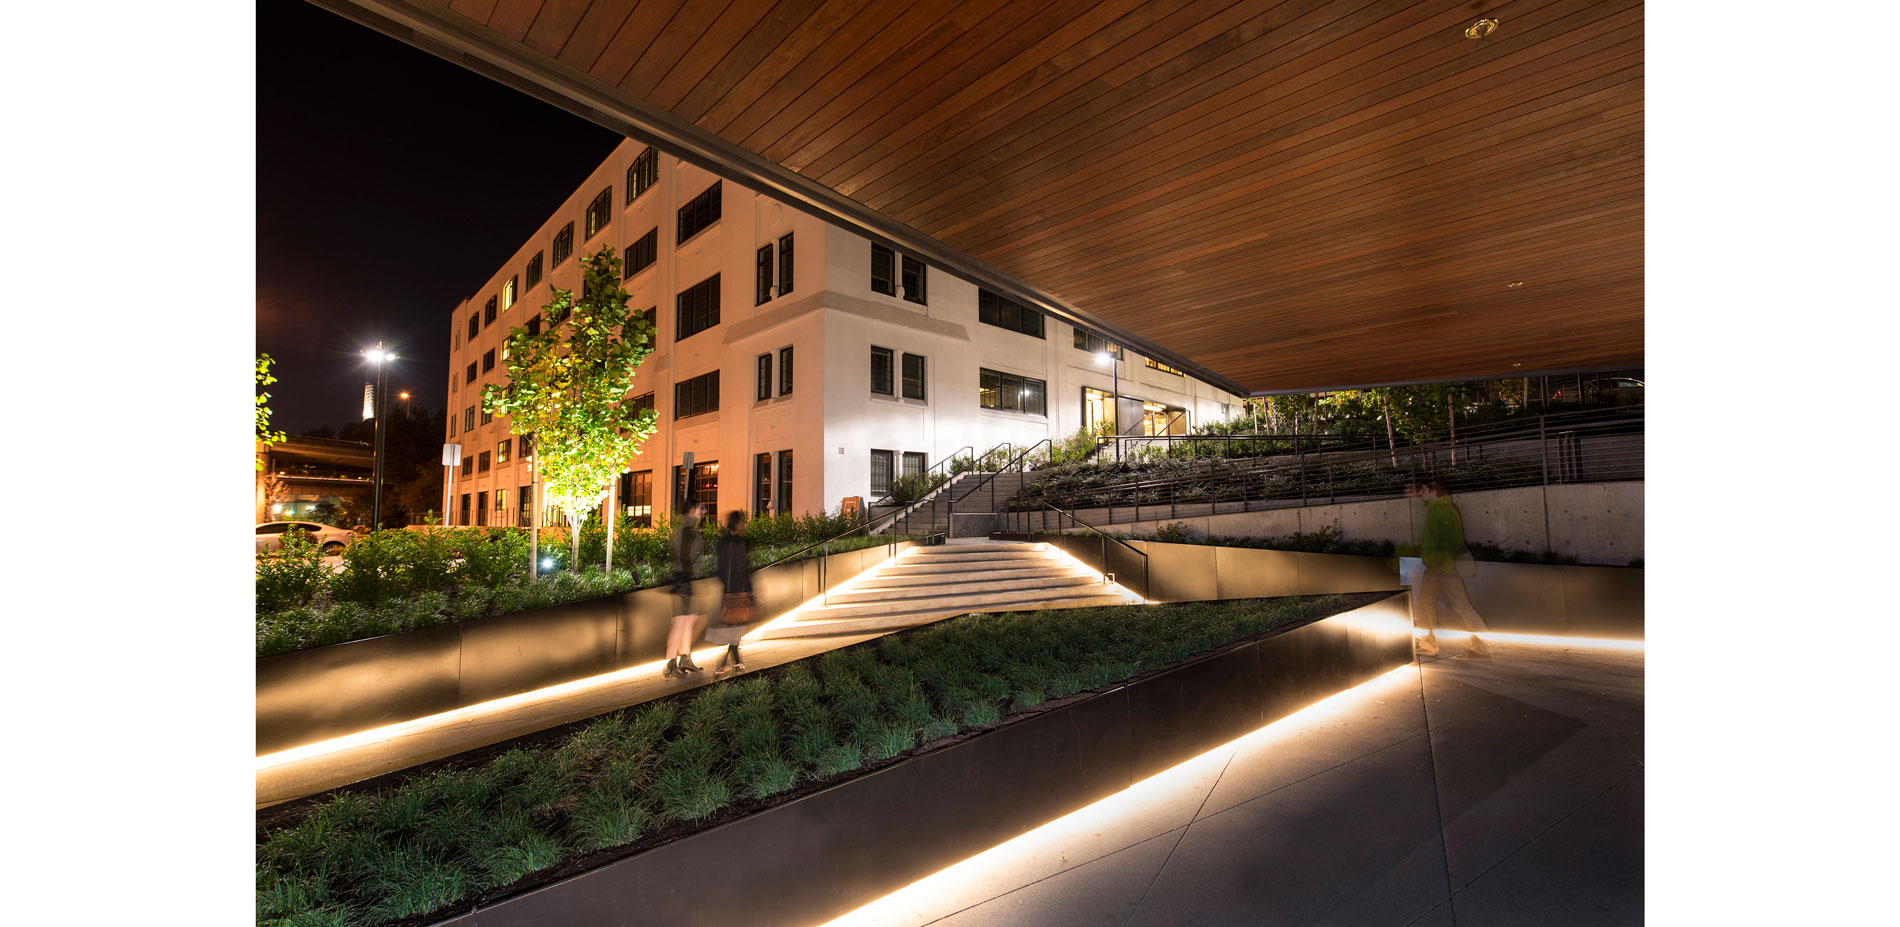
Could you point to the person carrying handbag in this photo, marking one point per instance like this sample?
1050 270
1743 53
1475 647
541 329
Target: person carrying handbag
736 614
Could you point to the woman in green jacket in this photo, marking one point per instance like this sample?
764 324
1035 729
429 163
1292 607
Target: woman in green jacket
1442 548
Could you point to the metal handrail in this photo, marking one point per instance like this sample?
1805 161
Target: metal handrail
1073 520
931 495
1015 462
940 462
1566 466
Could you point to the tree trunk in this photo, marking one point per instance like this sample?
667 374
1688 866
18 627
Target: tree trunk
1391 445
1451 416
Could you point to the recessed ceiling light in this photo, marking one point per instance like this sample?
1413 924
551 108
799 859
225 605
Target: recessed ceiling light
1515 284
1481 29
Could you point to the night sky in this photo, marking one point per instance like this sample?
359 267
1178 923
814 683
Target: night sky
390 183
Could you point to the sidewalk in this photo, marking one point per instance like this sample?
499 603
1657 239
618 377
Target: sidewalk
1452 792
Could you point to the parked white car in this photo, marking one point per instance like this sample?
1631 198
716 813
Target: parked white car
270 536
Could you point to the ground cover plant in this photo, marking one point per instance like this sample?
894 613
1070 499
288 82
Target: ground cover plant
393 581
1163 480
636 777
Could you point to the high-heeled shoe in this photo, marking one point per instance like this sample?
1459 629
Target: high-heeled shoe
688 666
672 669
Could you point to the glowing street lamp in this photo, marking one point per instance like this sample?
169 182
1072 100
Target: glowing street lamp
404 396
381 359
1115 411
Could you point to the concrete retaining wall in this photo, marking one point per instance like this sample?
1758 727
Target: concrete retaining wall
1597 523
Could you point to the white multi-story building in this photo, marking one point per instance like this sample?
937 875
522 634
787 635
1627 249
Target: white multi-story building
797 362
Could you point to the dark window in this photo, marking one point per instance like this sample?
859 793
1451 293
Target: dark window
642 403
915 463
785 371
481 506
764 276
534 270
468 467
644 172
1095 344
883 270
527 446
763 503
465 497
881 371
1010 393
452 424
785 264
698 214
599 212
468 419
1003 312
487 416
474 325
525 518
914 280
471 372
488 360
881 472
481 462
913 377
488 313
696 396
534 326
765 377
641 254
637 494
698 308
563 244
784 482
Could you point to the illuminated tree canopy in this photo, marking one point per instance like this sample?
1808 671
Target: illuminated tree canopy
567 386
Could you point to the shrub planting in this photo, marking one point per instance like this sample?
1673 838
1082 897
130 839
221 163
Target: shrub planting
394 581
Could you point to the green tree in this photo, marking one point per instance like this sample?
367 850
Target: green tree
567 387
264 435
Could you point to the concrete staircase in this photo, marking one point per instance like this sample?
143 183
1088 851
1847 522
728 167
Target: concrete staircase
933 515
926 584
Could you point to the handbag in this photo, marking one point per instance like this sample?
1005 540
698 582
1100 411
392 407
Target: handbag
737 608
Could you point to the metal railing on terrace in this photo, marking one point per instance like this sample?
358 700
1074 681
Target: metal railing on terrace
1208 474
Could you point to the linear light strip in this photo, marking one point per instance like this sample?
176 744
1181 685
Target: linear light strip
944 890
1551 640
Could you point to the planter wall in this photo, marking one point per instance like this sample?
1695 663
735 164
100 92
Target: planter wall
327 692
1568 601
1200 573
821 855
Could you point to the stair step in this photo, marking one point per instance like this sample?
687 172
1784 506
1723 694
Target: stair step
826 627
956 601
954 553
901 594
951 570
946 549
886 579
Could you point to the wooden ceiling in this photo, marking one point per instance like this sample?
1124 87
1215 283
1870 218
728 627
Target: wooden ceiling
1300 194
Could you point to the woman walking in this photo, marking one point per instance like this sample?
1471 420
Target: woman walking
687 547
736 615
1442 548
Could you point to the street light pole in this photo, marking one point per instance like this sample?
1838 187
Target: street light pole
1112 356
381 359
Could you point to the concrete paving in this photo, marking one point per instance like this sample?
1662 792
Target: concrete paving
1451 792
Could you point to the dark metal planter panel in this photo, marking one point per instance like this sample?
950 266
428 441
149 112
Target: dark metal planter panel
646 615
1180 713
509 654
830 852
1245 573
1603 601
1525 598
1181 573
316 694
1325 574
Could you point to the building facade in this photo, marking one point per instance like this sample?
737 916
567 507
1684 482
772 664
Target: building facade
799 363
